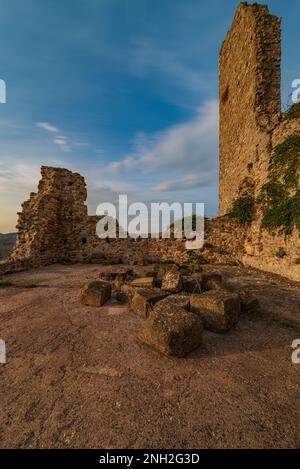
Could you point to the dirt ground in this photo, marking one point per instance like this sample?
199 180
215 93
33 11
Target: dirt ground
78 376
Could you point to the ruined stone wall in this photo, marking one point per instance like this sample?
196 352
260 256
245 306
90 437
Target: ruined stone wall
249 97
262 246
54 225
251 126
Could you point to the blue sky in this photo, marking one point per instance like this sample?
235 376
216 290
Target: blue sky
123 91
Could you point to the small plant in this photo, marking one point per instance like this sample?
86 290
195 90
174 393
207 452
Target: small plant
242 209
29 285
5 283
293 112
280 253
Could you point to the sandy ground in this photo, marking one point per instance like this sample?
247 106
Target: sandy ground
78 377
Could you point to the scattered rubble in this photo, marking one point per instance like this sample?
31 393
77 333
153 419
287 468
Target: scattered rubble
95 293
219 310
172 330
172 281
144 299
179 309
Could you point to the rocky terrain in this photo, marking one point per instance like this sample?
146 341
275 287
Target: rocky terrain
81 376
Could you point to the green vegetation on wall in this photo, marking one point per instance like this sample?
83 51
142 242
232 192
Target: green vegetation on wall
293 111
242 209
280 196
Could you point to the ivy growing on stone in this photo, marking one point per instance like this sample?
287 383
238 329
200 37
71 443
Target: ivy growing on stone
242 209
280 196
293 111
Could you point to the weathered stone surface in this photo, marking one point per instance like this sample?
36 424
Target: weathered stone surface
54 225
144 299
249 301
181 301
172 281
191 284
113 276
210 281
172 330
143 282
219 310
95 293
125 293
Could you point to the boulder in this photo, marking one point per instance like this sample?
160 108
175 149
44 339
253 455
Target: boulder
144 299
143 282
116 278
172 281
95 293
125 293
191 284
181 301
172 331
210 281
249 301
218 309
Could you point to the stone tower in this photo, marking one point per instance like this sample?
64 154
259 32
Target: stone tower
250 102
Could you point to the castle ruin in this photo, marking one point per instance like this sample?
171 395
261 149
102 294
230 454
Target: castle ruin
54 225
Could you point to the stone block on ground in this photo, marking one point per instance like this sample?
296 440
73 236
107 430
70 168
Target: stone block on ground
181 301
151 273
114 276
143 282
191 284
95 293
172 281
172 331
144 299
211 281
218 309
125 293
249 301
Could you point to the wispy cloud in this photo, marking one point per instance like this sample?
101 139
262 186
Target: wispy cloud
63 142
19 178
47 126
188 181
188 147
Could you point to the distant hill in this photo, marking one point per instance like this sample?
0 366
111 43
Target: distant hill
7 242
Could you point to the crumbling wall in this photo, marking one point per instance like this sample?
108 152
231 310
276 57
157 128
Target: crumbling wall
249 99
251 125
54 225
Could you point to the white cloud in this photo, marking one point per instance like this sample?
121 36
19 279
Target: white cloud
189 181
19 178
188 147
47 126
59 141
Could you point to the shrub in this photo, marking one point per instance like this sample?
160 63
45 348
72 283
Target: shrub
280 253
242 209
293 111
5 284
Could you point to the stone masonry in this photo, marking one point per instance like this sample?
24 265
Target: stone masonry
54 225
251 125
